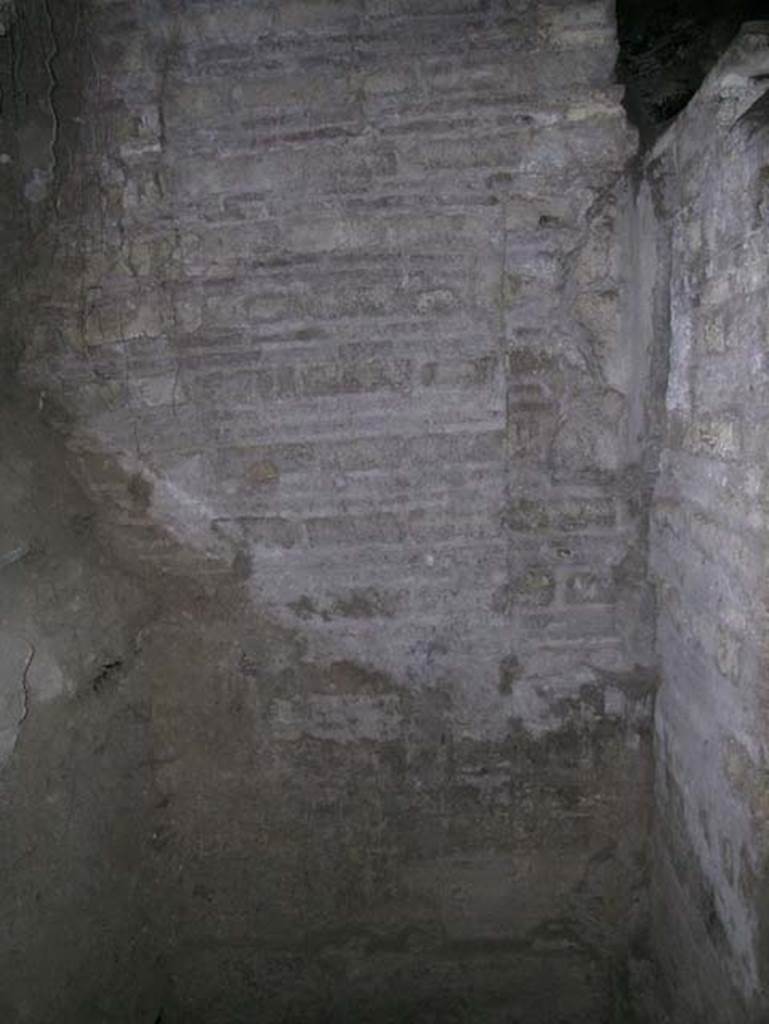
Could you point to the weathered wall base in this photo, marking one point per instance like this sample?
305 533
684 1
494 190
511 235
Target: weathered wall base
414 873
178 840
76 785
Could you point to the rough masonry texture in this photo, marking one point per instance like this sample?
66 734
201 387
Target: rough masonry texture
342 299
705 207
356 399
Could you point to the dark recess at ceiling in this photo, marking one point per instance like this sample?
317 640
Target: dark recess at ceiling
668 46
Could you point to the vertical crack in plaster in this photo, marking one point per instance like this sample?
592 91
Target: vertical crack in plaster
50 56
25 694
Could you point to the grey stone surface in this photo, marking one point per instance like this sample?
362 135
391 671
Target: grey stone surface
381 242
324 302
327 691
702 213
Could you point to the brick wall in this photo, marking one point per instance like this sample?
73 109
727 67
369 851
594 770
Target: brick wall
708 180
331 308
344 293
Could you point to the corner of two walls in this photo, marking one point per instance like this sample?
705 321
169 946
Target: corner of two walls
149 325
701 296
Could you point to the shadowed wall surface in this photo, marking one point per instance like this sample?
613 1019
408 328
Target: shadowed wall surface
329 308
706 183
349 350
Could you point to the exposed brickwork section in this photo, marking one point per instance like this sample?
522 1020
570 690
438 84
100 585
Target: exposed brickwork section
709 545
348 294
335 302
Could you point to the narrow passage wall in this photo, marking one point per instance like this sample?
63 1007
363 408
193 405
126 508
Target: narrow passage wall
703 209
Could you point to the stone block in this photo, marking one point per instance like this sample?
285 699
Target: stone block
318 15
213 252
203 26
401 8
531 362
600 314
354 378
715 436
362 454
531 427
533 588
268 532
363 603
729 653
559 514
162 389
123 317
348 718
582 625
715 336
589 588
377 528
